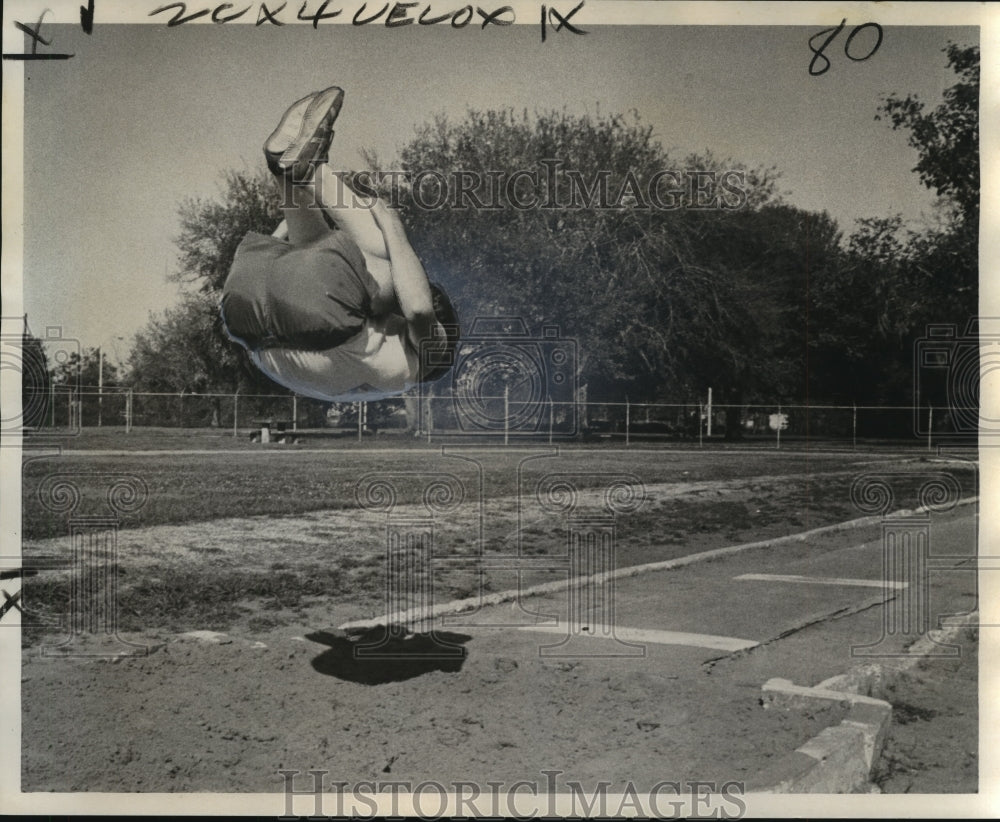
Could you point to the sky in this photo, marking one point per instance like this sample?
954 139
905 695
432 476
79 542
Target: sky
146 116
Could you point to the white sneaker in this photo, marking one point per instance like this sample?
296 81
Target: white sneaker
303 136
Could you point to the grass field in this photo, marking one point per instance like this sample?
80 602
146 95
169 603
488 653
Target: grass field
218 439
251 535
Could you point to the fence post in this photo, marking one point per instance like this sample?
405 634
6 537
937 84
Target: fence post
128 412
778 426
100 384
701 411
506 413
236 409
429 400
708 415
930 425
550 419
854 425
295 412
628 420
359 421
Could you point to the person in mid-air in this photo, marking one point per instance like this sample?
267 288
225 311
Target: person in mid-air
341 312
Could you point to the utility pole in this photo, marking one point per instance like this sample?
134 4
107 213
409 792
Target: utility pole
100 383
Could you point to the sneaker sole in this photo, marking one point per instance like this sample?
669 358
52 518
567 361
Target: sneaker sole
322 110
277 133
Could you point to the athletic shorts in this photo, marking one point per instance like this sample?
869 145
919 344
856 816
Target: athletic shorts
310 298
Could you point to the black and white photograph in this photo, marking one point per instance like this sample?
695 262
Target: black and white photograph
528 409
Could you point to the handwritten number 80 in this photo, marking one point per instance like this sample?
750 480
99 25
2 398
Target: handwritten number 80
833 32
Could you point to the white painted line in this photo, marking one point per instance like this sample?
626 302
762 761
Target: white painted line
717 643
215 637
864 583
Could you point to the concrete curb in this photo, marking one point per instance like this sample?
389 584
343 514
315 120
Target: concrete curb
837 760
841 757
458 606
873 678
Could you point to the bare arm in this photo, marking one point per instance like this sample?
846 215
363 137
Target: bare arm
408 278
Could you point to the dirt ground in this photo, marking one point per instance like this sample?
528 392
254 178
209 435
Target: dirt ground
933 742
283 690
496 715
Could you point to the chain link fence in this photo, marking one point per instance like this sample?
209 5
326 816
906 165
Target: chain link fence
497 417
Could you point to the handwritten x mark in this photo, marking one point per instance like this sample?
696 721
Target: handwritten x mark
10 602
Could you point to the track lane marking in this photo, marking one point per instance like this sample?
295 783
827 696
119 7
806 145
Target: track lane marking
864 583
642 635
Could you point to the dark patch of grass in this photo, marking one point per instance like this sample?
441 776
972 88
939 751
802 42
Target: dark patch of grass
189 599
197 487
904 713
191 487
263 623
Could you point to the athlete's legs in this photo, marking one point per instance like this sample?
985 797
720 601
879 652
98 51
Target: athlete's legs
304 202
303 223
350 211
311 190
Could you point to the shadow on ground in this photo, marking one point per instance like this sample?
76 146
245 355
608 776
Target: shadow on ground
382 654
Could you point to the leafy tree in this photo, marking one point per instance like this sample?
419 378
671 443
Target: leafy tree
35 380
777 256
84 369
869 311
80 375
627 281
945 275
947 138
897 281
182 350
211 230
